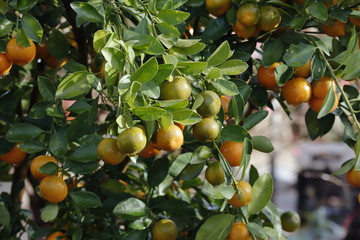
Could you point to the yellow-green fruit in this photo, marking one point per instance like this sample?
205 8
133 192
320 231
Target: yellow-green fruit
211 104
214 174
206 130
290 221
179 88
109 152
131 141
164 229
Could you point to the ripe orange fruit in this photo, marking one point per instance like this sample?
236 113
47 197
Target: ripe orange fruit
206 130
269 18
334 28
232 152
38 162
109 152
243 197
296 91
214 174
303 71
239 232
132 141
266 76
5 65
316 103
225 102
53 189
165 229
54 62
56 236
20 55
217 8
243 31
353 177
290 221
169 139
179 88
211 104
41 51
248 14
14 156
149 151
321 87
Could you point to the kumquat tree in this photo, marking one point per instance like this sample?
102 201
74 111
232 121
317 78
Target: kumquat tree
131 119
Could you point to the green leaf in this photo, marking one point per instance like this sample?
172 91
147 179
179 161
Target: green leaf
179 164
4 216
49 168
85 199
46 88
186 51
74 85
351 71
212 73
100 39
58 143
146 72
158 171
173 17
147 44
225 87
262 144
149 113
84 154
114 57
259 96
177 104
86 12
236 108
5 27
168 29
200 155
191 120
216 227
297 23
318 67
22 132
174 207
328 103
273 50
57 39
151 89
282 74
131 208
318 10
254 119
22 38
318 127
31 146
255 229
216 29
234 133
191 67
49 212
298 55
220 55
191 171
25 5
141 224
345 167
262 192
233 67
32 27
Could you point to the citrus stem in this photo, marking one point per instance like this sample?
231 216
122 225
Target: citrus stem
343 94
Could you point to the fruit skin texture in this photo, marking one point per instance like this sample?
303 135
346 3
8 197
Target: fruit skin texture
39 161
169 139
232 152
109 152
179 88
149 151
296 91
266 76
211 104
290 221
206 130
55 235
304 70
5 64
321 87
214 174
269 18
239 232
218 8
164 229
131 141
20 55
240 200
316 103
353 178
53 189
248 14
334 28
243 31
14 156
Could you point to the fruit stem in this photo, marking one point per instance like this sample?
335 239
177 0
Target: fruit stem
343 94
